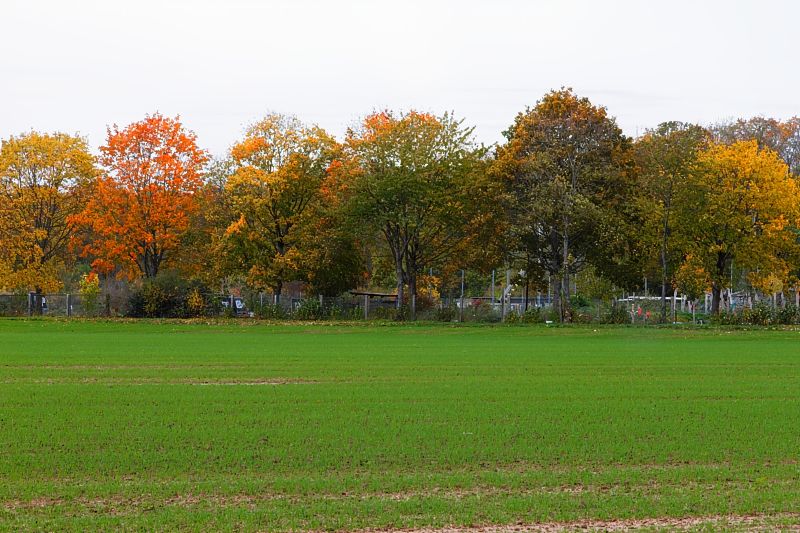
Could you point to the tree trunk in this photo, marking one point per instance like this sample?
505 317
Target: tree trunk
716 288
664 276
563 292
278 290
412 293
37 302
716 292
400 284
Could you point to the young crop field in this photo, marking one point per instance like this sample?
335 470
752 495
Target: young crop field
137 425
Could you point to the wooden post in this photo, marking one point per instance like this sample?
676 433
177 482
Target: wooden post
69 305
366 306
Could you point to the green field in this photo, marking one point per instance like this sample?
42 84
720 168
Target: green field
109 425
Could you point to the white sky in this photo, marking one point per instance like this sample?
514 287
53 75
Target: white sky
77 66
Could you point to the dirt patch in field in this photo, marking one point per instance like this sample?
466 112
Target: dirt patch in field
763 522
241 499
111 380
252 382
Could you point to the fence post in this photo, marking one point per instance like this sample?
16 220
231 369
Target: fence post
366 306
69 305
461 312
30 304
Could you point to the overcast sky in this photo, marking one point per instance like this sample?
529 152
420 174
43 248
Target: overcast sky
77 66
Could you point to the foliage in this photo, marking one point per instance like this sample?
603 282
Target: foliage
782 137
142 207
567 169
170 296
667 158
281 165
309 309
617 314
89 287
418 184
271 311
44 181
761 314
741 206
481 311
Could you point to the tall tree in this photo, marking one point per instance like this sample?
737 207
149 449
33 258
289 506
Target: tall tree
667 157
782 137
142 206
281 165
421 185
741 206
43 181
568 167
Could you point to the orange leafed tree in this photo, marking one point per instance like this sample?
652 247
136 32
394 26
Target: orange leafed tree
143 204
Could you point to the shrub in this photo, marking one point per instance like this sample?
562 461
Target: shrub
618 314
309 309
481 311
760 315
271 312
788 315
195 303
169 296
445 314
532 316
384 313
89 287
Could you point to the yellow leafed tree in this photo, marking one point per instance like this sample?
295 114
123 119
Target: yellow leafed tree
43 181
740 207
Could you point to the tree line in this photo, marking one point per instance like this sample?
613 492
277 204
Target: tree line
405 195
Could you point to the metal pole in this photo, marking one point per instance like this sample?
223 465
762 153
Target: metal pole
366 306
492 288
507 293
461 312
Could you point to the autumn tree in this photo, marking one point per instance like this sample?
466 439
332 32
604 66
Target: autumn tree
421 186
567 167
280 166
667 158
142 206
43 181
782 137
740 206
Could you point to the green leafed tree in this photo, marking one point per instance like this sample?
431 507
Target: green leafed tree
567 168
419 183
667 157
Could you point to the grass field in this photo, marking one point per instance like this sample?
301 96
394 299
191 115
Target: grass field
183 426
